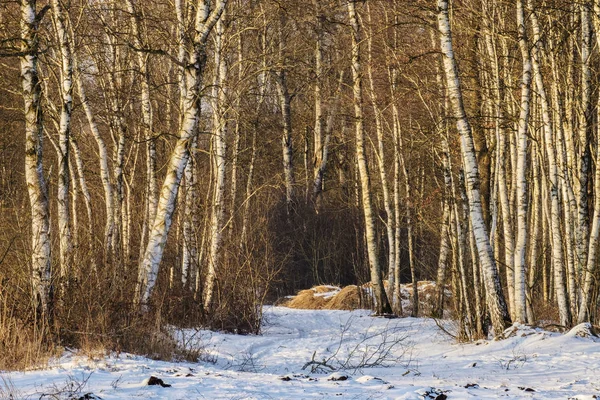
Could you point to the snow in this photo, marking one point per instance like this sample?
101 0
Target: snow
413 359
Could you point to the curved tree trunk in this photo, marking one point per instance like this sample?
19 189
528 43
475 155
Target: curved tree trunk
205 20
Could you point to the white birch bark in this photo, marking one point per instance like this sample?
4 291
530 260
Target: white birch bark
590 272
205 19
394 275
286 116
557 250
87 198
569 202
409 224
445 248
387 202
34 175
495 298
66 90
590 275
102 155
319 147
502 175
521 171
219 165
74 199
189 247
147 117
381 302
585 121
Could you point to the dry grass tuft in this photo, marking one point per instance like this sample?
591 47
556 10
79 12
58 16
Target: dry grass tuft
354 297
307 300
349 298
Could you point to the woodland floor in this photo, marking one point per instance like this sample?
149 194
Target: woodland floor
416 360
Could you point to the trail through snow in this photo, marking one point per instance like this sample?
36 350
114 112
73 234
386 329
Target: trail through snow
416 361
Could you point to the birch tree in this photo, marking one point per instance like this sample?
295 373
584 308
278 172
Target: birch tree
382 305
591 268
522 195
66 81
494 296
205 19
219 165
286 116
34 173
557 250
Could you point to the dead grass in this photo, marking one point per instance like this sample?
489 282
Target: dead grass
21 346
307 300
349 298
354 297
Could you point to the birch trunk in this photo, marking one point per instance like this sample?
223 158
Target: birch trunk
557 251
34 176
286 117
382 305
321 167
380 153
102 155
319 147
205 20
84 190
590 273
521 171
585 121
147 118
66 89
409 224
444 237
190 249
219 166
590 276
394 275
495 298
568 197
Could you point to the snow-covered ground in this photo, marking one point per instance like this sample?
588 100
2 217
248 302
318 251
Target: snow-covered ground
412 359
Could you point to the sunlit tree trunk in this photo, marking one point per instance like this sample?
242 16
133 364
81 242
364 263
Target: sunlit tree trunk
286 118
66 91
387 202
521 171
585 123
495 298
146 104
382 305
219 166
102 155
445 235
34 176
591 271
557 250
205 19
